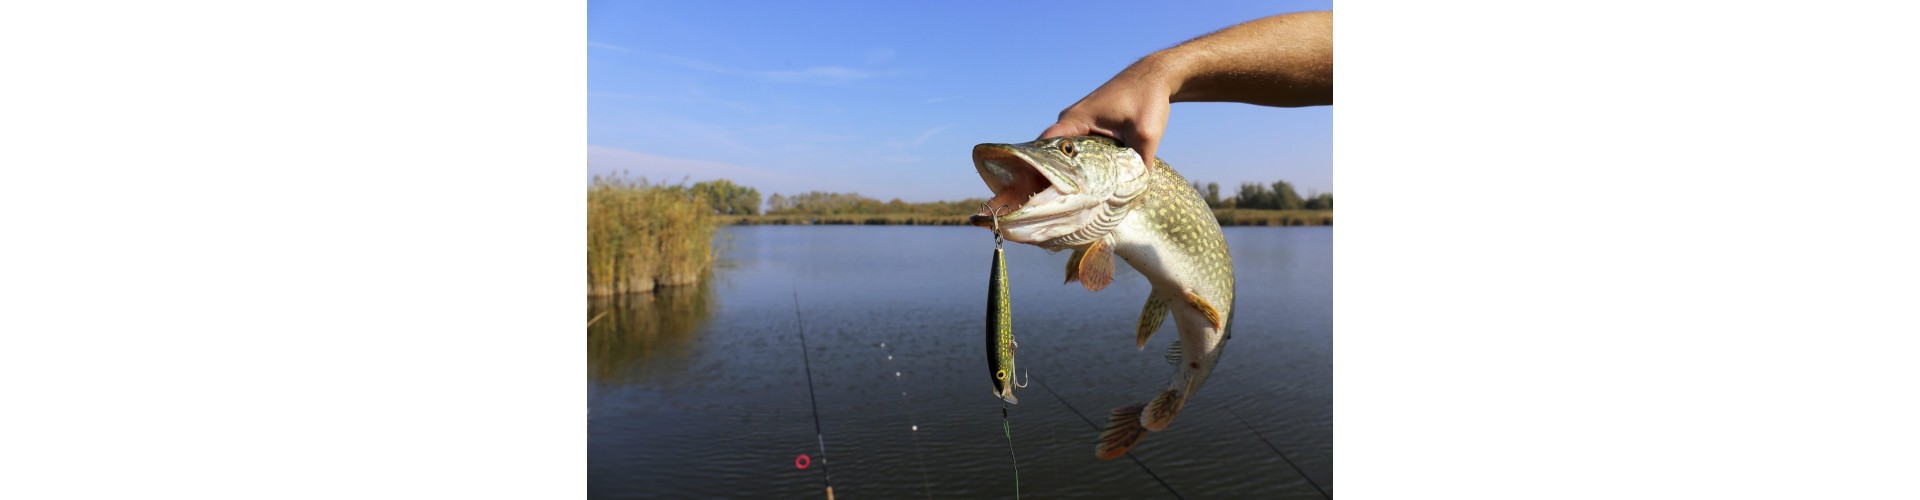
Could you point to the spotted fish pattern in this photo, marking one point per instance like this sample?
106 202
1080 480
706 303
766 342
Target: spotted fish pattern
1100 200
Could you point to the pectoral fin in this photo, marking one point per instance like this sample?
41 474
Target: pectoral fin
1151 317
1092 266
1173 353
1206 309
1073 265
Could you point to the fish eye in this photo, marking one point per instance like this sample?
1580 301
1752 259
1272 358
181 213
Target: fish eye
1000 375
1067 148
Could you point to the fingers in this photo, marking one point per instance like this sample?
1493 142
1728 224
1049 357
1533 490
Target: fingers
1146 146
1148 129
1145 143
1064 129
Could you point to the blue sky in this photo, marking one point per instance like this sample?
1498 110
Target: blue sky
887 99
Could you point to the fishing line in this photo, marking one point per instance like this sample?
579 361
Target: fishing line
828 472
1007 427
1276 451
1096 427
897 383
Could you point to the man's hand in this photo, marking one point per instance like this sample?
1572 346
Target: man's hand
1132 107
1284 60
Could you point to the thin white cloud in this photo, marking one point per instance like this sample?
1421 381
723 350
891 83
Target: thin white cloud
693 98
818 74
695 63
929 135
943 99
608 46
602 160
830 75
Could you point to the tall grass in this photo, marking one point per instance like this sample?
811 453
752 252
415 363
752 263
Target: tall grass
1260 217
641 236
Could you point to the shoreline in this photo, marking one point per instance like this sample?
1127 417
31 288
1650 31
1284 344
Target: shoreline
1228 217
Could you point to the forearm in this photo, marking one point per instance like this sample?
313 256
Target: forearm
1284 60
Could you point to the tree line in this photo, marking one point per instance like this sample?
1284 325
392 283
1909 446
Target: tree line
825 203
1279 196
728 198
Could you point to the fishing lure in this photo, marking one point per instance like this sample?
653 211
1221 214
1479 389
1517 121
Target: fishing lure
1000 343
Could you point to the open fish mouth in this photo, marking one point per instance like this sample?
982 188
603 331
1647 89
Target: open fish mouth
1018 184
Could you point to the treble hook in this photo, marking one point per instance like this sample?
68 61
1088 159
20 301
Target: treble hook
1016 352
995 214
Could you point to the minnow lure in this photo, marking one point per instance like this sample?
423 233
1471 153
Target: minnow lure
1000 343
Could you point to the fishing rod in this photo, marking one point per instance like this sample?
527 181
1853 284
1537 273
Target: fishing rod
817 434
1276 451
1096 427
915 426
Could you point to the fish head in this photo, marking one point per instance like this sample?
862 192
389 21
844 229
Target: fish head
1046 190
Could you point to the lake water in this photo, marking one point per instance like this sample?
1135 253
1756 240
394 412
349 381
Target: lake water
701 392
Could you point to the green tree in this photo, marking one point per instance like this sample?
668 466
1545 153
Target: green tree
1285 198
725 197
1324 201
1213 195
1254 195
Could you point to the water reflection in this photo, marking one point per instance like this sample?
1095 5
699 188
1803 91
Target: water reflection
704 394
647 336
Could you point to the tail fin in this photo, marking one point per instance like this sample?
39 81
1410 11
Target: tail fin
1123 431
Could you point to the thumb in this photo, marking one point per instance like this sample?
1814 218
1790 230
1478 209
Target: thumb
1063 129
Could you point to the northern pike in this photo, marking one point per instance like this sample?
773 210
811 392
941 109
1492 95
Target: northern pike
1100 199
1000 343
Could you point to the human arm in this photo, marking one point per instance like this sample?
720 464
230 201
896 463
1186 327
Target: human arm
1284 60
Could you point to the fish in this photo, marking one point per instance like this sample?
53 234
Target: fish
1000 343
1100 199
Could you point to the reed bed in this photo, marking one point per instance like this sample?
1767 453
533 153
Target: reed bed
1263 217
641 236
